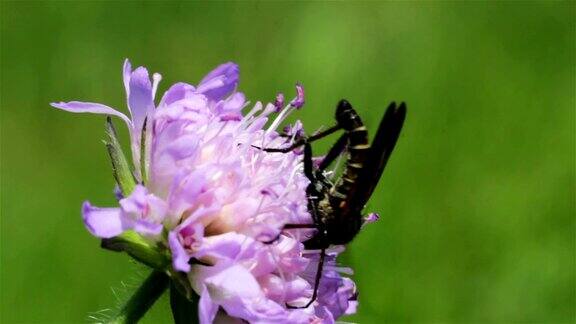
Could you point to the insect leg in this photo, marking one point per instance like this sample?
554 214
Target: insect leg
312 208
289 227
316 281
309 165
301 141
311 193
299 226
334 152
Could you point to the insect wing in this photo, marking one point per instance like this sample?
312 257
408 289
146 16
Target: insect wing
380 151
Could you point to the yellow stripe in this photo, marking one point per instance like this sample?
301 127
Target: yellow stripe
360 147
359 129
348 180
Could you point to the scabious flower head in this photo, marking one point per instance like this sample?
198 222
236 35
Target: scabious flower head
217 203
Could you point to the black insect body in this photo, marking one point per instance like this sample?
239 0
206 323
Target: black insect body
336 209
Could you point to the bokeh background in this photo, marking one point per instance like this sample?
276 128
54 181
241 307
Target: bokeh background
477 203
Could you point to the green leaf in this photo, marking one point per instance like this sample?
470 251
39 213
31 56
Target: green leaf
141 301
184 310
120 166
138 248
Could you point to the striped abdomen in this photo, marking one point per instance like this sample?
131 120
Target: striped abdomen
357 151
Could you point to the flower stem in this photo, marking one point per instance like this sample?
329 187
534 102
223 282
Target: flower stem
139 303
184 311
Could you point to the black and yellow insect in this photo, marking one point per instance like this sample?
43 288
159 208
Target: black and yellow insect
336 208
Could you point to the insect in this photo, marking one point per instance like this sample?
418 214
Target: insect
336 208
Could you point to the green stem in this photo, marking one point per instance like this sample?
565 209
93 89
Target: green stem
150 290
184 311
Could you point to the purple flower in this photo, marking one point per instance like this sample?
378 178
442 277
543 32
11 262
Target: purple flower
219 198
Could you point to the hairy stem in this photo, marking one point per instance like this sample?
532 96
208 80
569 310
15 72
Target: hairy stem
139 303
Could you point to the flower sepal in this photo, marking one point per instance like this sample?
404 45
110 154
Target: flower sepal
139 249
120 167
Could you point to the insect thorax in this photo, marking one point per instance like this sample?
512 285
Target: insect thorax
340 224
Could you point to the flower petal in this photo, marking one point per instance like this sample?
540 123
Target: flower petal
103 222
220 82
143 211
126 71
90 107
176 92
180 257
231 108
184 191
184 240
206 308
140 98
238 292
147 228
136 202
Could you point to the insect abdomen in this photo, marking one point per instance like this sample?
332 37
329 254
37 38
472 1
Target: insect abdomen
357 151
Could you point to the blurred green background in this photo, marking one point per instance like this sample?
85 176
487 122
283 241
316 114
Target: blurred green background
477 203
